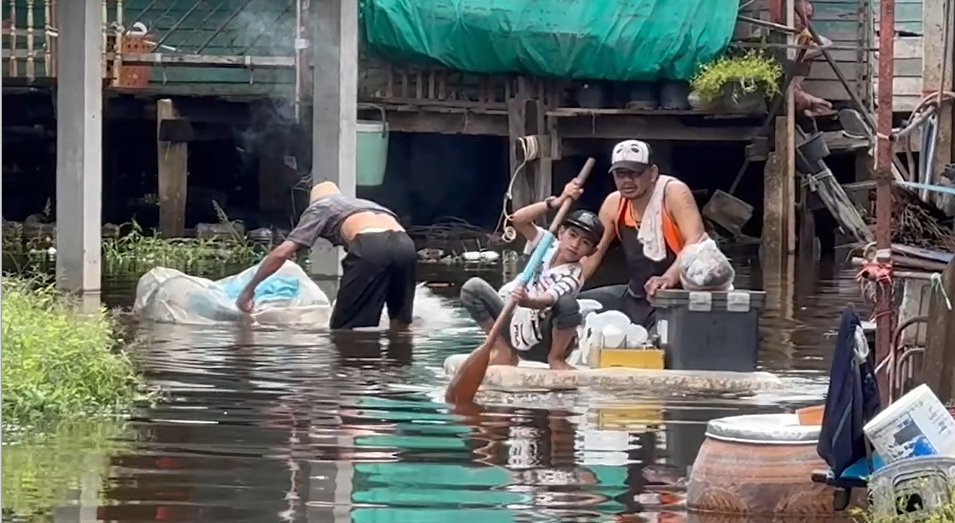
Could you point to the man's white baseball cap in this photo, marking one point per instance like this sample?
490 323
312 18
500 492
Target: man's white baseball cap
632 155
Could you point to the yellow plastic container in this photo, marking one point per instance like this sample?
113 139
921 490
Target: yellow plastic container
614 418
631 358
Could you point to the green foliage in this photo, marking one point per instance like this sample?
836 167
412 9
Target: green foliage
744 74
40 468
59 361
944 514
137 250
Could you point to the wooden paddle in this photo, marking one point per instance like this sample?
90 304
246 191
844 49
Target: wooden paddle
468 378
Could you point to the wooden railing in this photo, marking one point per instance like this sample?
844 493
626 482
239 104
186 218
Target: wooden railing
129 52
431 86
29 50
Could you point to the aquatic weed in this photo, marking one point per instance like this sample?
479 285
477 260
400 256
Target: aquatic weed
138 250
58 360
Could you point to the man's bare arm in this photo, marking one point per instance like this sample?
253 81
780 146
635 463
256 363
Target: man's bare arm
607 211
272 263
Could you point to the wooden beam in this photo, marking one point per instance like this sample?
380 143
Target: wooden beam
425 104
204 60
172 173
938 365
521 190
651 128
777 199
446 123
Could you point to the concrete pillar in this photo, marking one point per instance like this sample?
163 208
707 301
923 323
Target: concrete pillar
334 111
79 145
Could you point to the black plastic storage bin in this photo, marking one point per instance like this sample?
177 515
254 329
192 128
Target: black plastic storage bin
702 330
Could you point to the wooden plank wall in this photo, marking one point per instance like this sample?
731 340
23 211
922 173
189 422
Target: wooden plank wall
843 22
907 83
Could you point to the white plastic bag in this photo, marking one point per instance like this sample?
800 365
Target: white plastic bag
703 267
287 298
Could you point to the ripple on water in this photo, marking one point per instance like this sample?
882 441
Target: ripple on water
310 426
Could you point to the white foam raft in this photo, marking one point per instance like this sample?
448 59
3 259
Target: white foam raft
535 376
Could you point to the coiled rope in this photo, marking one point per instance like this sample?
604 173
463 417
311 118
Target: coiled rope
530 150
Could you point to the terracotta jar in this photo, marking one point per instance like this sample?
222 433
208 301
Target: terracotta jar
759 465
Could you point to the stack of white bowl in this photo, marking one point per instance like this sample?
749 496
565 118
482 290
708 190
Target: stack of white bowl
610 330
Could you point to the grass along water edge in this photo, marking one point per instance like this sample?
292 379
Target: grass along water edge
59 361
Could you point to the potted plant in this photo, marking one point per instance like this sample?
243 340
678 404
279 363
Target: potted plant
739 83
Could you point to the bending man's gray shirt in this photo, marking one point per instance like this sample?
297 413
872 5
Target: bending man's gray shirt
324 218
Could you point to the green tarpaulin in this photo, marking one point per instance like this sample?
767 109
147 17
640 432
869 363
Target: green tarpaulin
623 40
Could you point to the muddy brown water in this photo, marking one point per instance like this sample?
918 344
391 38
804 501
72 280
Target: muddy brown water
306 426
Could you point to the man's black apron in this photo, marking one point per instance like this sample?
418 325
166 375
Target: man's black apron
641 269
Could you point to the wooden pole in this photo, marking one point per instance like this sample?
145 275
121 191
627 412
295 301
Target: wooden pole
173 171
938 365
789 180
777 200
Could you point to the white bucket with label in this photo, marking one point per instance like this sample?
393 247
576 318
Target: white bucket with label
915 425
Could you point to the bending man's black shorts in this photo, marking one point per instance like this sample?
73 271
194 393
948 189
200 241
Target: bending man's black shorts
379 270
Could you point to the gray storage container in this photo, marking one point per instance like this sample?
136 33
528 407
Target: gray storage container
702 330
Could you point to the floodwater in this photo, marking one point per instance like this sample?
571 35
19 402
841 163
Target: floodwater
304 426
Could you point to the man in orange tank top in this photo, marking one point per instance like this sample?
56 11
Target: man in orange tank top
653 216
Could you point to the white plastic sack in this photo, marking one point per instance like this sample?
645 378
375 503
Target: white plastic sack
703 267
288 297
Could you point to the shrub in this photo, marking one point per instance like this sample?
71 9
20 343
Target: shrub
59 361
137 250
751 72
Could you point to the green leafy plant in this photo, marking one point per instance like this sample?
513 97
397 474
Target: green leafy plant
138 250
907 499
59 360
744 74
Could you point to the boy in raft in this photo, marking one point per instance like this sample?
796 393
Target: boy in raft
380 267
654 217
544 322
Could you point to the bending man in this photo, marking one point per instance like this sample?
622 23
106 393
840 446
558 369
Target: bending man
653 216
380 267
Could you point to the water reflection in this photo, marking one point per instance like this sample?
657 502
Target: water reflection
267 425
59 466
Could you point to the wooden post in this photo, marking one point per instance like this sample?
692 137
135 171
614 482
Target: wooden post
535 119
808 251
938 366
778 201
526 117
934 70
173 171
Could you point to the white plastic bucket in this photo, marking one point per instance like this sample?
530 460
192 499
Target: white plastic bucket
915 425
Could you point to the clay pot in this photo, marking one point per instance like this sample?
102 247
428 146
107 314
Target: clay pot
759 466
